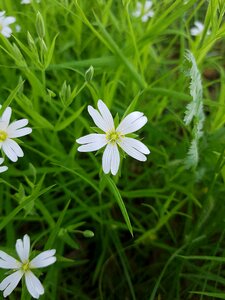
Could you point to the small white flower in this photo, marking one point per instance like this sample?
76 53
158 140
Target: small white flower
23 268
144 11
112 138
4 24
18 28
198 29
10 131
28 1
2 168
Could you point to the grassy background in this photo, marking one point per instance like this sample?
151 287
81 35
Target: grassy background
55 193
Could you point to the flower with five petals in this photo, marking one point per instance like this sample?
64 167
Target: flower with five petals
24 267
4 24
9 131
114 137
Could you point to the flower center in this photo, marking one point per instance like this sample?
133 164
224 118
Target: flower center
113 136
25 266
3 136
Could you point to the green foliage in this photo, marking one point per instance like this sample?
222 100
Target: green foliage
156 229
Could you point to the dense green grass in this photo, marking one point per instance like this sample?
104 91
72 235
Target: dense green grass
55 193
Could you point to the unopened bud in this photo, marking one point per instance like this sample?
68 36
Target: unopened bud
65 93
30 41
40 26
89 74
88 233
17 52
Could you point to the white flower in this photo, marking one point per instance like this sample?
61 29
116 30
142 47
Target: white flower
198 29
112 138
18 28
23 268
10 131
3 168
28 1
25 1
144 11
4 24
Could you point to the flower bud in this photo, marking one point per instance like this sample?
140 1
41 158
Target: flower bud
89 74
40 26
65 93
88 233
30 41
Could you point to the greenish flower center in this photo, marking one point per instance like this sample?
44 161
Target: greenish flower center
3 136
113 136
25 266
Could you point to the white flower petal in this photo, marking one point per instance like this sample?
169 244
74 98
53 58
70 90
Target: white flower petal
97 118
8 151
139 146
3 169
195 31
136 125
115 160
3 125
111 159
92 142
6 31
15 147
131 150
6 115
91 138
8 20
23 248
20 132
18 124
1 160
8 262
2 13
44 259
10 282
34 286
132 122
106 114
106 159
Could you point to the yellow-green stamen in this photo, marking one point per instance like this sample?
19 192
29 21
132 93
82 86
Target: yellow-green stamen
3 136
113 136
25 266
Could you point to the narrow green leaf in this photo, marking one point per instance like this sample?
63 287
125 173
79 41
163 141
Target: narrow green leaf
120 202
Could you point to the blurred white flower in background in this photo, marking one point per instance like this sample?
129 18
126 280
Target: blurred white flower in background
144 11
9 131
28 1
25 1
112 138
18 28
198 29
2 168
23 268
4 24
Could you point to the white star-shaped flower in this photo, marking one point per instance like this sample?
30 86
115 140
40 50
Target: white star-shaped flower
28 1
112 138
144 11
198 29
23 268
10 131
2 168
4 24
